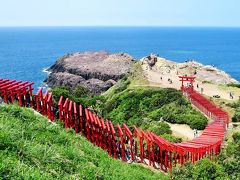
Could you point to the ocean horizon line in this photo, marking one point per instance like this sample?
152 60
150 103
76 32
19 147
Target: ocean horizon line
120 26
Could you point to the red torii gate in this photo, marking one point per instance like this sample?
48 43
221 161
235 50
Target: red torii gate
190 79
12 89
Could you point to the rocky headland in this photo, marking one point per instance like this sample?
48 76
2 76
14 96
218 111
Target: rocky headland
95 71
98 71
210 80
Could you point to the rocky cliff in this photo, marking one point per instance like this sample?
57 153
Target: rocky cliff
96 71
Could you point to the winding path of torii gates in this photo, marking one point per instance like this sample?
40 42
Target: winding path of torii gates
142 146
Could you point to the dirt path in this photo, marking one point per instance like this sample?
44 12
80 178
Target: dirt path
182 131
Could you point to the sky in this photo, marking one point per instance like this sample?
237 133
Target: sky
224 13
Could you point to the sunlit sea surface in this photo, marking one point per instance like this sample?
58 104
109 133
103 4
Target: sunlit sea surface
26 52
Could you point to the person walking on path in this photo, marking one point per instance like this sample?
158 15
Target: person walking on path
194 133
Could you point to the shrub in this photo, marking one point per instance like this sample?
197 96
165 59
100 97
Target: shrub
81 92
236 107
171 138
236 137
60 91
183 172
203 169
234 85
160 128
207 169
236 116
79 95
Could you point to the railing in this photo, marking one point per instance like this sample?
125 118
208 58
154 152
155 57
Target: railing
120 141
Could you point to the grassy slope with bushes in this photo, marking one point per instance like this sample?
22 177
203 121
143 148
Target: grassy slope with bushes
33 148
134 105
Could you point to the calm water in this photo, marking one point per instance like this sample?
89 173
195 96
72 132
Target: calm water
25 52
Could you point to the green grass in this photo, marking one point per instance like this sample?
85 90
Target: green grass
137 77
33 148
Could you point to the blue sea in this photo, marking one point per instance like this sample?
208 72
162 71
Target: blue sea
26 51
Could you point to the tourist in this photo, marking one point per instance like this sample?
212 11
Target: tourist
118 149
194 133
127 150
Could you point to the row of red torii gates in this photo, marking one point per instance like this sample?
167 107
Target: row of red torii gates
121 141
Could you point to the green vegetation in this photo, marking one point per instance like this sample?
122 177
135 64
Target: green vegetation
225 166
233 85
79 95
206 82
133 105
33 148
145 107
137 77
236 107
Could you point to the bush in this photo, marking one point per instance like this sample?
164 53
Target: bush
203 169
207 169
236 116
236 107
236 137
81 92
183 172
79 95
234 85
60 91
171 138
160 128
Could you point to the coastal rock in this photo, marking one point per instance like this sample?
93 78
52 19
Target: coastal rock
96 71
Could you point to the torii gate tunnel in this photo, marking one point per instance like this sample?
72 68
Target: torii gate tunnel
120 141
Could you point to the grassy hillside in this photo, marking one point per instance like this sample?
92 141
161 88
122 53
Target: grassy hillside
33 148
133 106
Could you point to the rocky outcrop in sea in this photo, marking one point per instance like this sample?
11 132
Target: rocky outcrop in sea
96 71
